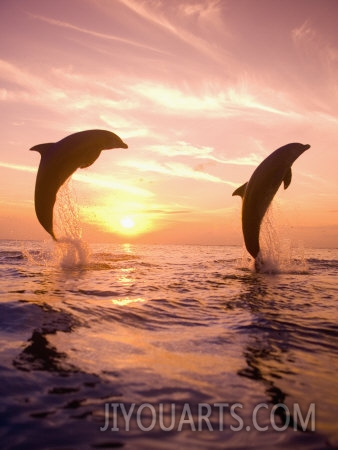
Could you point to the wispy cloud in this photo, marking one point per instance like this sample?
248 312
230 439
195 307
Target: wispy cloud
27 86
319 57
63 93
30 88
182 148
167 211
174 169
250 160
92 178
92 33
130 128
304 32
190 23
20 167
310 40
99 180
223 102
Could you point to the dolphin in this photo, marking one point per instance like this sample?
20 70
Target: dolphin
59 160
259 191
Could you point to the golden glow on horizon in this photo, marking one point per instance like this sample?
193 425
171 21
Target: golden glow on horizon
118 223
131 225
117 213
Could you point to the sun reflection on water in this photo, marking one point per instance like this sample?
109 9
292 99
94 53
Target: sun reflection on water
126 278
126 301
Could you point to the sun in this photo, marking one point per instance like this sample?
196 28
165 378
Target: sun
127 222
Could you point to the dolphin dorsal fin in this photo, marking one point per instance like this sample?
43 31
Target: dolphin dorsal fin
287 178
241 190
41 148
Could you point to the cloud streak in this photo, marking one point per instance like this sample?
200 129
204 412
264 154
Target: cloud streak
174 169
94 179
105 182
189 23
19 167
182 148
221 102
92 33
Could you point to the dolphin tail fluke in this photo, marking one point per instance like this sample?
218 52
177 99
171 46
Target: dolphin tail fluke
241 190
287 178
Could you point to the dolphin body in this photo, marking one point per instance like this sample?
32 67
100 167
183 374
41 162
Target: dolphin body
259 191
60 160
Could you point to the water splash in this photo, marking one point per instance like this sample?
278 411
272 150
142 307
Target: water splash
66 213
71 250
41 255
278 253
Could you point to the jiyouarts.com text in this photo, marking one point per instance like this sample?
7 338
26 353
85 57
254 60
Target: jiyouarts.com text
204 416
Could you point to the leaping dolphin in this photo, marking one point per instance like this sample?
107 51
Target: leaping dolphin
259 191
59 160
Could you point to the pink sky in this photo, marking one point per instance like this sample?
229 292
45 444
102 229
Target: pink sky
201 91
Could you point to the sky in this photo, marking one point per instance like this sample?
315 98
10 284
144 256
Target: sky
200 90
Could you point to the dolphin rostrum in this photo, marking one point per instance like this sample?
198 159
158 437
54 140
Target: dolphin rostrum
259 191
59 161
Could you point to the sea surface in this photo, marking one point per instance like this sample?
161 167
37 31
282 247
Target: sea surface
166 347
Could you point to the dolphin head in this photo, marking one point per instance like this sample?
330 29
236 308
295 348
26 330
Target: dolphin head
298 148
291 152
111 140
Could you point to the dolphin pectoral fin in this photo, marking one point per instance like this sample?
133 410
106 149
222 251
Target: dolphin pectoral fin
241 190
287 178
85 164
41 148
89 159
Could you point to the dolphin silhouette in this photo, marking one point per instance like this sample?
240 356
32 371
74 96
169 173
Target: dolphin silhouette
60 160
259 191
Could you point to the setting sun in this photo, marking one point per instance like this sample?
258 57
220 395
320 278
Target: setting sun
127 222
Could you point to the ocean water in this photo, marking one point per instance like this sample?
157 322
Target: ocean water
166 347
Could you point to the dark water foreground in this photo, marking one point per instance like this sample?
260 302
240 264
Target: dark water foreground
166 347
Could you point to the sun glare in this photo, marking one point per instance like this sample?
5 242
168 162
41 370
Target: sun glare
121 220
127 222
